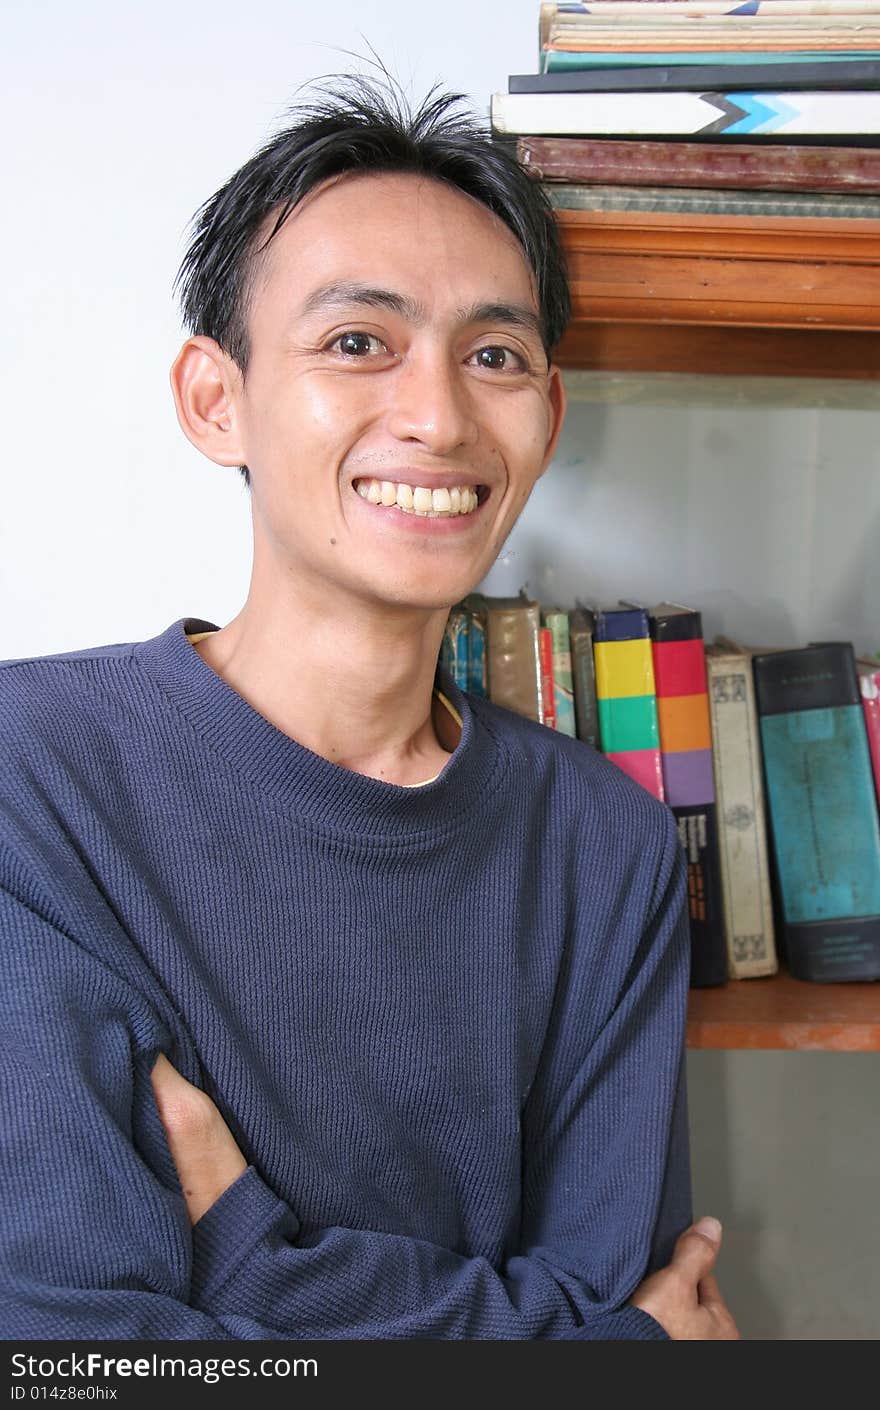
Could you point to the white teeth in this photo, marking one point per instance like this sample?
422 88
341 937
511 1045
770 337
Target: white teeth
459 499
423 500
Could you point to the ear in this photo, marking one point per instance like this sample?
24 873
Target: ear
204 380
557 403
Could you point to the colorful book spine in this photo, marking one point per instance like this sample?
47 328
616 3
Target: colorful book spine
626 696
581 625
742 825
514 661
545 654
780 166
716 115
557 621
688 777
823 810
869 685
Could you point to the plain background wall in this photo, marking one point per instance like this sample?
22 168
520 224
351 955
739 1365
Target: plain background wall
118 122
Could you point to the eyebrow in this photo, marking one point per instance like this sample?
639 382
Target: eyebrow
346 292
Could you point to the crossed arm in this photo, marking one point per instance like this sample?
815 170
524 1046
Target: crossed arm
683 1297
103 1243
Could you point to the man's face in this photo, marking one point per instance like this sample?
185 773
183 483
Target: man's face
393 340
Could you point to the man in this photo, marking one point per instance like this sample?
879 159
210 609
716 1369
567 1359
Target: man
345 1005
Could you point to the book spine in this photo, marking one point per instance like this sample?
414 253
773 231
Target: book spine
584 676
548 701
514 662
478 663
783 167
626 698
759 114
560 61
742 838
823 811
563 685
869 685
688 778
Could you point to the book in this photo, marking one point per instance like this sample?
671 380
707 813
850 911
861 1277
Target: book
580 631
869 686
454 647
684 200
478 661
626 696
562 61
513 654
698 8
545 656
688 777
716 115
699 77
740 813
557 621
822 806
704 165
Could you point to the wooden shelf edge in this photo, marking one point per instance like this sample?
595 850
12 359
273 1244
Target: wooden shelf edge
781 1012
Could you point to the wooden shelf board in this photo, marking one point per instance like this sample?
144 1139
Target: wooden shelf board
667 292
781 1012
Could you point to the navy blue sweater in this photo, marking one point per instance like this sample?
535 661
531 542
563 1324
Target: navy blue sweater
445 1024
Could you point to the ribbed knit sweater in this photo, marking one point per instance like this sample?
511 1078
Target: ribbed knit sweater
445 1024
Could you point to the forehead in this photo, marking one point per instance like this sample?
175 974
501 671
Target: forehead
402 230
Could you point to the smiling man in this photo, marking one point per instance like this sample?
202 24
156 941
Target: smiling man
346 1005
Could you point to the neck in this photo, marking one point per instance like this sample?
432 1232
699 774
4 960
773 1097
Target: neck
354 686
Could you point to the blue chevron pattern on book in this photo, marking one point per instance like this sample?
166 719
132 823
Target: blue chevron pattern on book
762 112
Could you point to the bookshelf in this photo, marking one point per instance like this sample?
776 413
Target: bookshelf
762 296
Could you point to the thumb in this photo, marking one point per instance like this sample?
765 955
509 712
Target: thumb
697 1249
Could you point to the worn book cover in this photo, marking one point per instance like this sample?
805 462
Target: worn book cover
779 166
742 825
557 622
581 625
823 810
513 652
869 685
478 661
454 647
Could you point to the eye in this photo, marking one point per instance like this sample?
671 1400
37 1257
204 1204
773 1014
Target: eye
353 344
501 359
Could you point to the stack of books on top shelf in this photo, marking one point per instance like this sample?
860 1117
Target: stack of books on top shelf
760 107
769 760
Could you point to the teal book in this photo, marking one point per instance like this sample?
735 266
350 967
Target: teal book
454 647
563 685
478 655
822 808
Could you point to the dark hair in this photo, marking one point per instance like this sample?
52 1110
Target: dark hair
360 127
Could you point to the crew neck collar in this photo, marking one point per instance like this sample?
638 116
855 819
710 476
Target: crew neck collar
335 798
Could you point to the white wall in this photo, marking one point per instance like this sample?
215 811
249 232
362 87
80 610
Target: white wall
118 121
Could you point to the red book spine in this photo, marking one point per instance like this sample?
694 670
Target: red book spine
548 708
869 681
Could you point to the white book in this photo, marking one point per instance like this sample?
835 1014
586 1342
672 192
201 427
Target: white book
831 113
741 817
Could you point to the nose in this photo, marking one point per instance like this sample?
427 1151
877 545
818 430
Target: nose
431 403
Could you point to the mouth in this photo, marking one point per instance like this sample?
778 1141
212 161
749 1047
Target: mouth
458 499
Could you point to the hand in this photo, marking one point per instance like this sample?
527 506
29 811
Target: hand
684 1296
203 1149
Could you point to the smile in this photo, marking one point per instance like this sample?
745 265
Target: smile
441 503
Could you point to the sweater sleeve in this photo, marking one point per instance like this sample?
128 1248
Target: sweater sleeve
605 1190
100 1245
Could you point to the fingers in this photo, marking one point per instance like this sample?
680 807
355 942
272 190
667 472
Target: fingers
696 1251
709 1292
